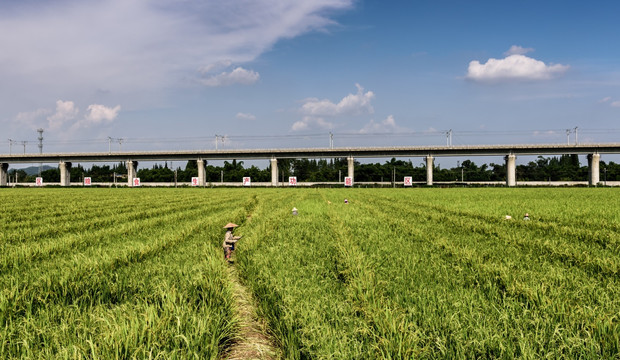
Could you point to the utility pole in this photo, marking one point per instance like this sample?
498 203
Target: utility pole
576 141
120 144
40 131
24 144
393 176
220 138
568 136
11 141
449 138
331 140
109 145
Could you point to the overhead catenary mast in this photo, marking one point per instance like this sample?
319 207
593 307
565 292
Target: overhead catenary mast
40 131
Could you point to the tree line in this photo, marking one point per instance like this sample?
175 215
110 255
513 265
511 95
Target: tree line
562 168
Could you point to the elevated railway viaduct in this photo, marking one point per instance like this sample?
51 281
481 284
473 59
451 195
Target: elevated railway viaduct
131 158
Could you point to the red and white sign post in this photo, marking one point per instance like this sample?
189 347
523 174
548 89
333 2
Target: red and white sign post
39 181
87 181
408 181
195 181
348 181
292 181
136 182
247 181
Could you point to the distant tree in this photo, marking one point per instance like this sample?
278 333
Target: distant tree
51 175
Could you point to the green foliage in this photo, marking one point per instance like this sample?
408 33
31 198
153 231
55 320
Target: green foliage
394 274
432 273
112 274
563 168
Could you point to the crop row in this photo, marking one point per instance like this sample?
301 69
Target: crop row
393 274
154 286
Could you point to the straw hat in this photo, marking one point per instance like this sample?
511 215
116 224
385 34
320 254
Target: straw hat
230 225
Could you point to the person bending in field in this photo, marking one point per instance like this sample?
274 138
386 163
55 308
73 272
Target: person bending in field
229 240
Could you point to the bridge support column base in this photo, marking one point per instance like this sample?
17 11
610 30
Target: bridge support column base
4 174
593 169
132 171
65 173
429 170
511 170
274 172
351 168
201 172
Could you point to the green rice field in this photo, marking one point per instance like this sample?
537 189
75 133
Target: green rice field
423 273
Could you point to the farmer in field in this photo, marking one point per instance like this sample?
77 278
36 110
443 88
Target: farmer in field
229 240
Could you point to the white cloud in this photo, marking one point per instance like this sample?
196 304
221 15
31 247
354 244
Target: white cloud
513 67
65 111
238 76
32 119
65 120
386 126
548 133
311 121
216 66
352 104
608 99
316 110
245 116
518 50
138 49
98 114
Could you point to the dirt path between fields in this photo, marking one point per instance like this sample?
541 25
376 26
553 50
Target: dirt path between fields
253 341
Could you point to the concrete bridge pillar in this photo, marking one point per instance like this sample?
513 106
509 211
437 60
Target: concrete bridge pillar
65 173
4 174
201 172
429 170
274 172
593 167
511 170
351 168
132 171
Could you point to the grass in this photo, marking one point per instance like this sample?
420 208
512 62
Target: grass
394 274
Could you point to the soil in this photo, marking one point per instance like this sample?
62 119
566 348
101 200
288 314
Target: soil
253 341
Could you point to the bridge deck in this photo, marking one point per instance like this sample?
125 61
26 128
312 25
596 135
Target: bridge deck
357 152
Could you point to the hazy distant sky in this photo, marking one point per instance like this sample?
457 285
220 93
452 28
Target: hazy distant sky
174 73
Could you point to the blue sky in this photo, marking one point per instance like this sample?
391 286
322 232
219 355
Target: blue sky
173 74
